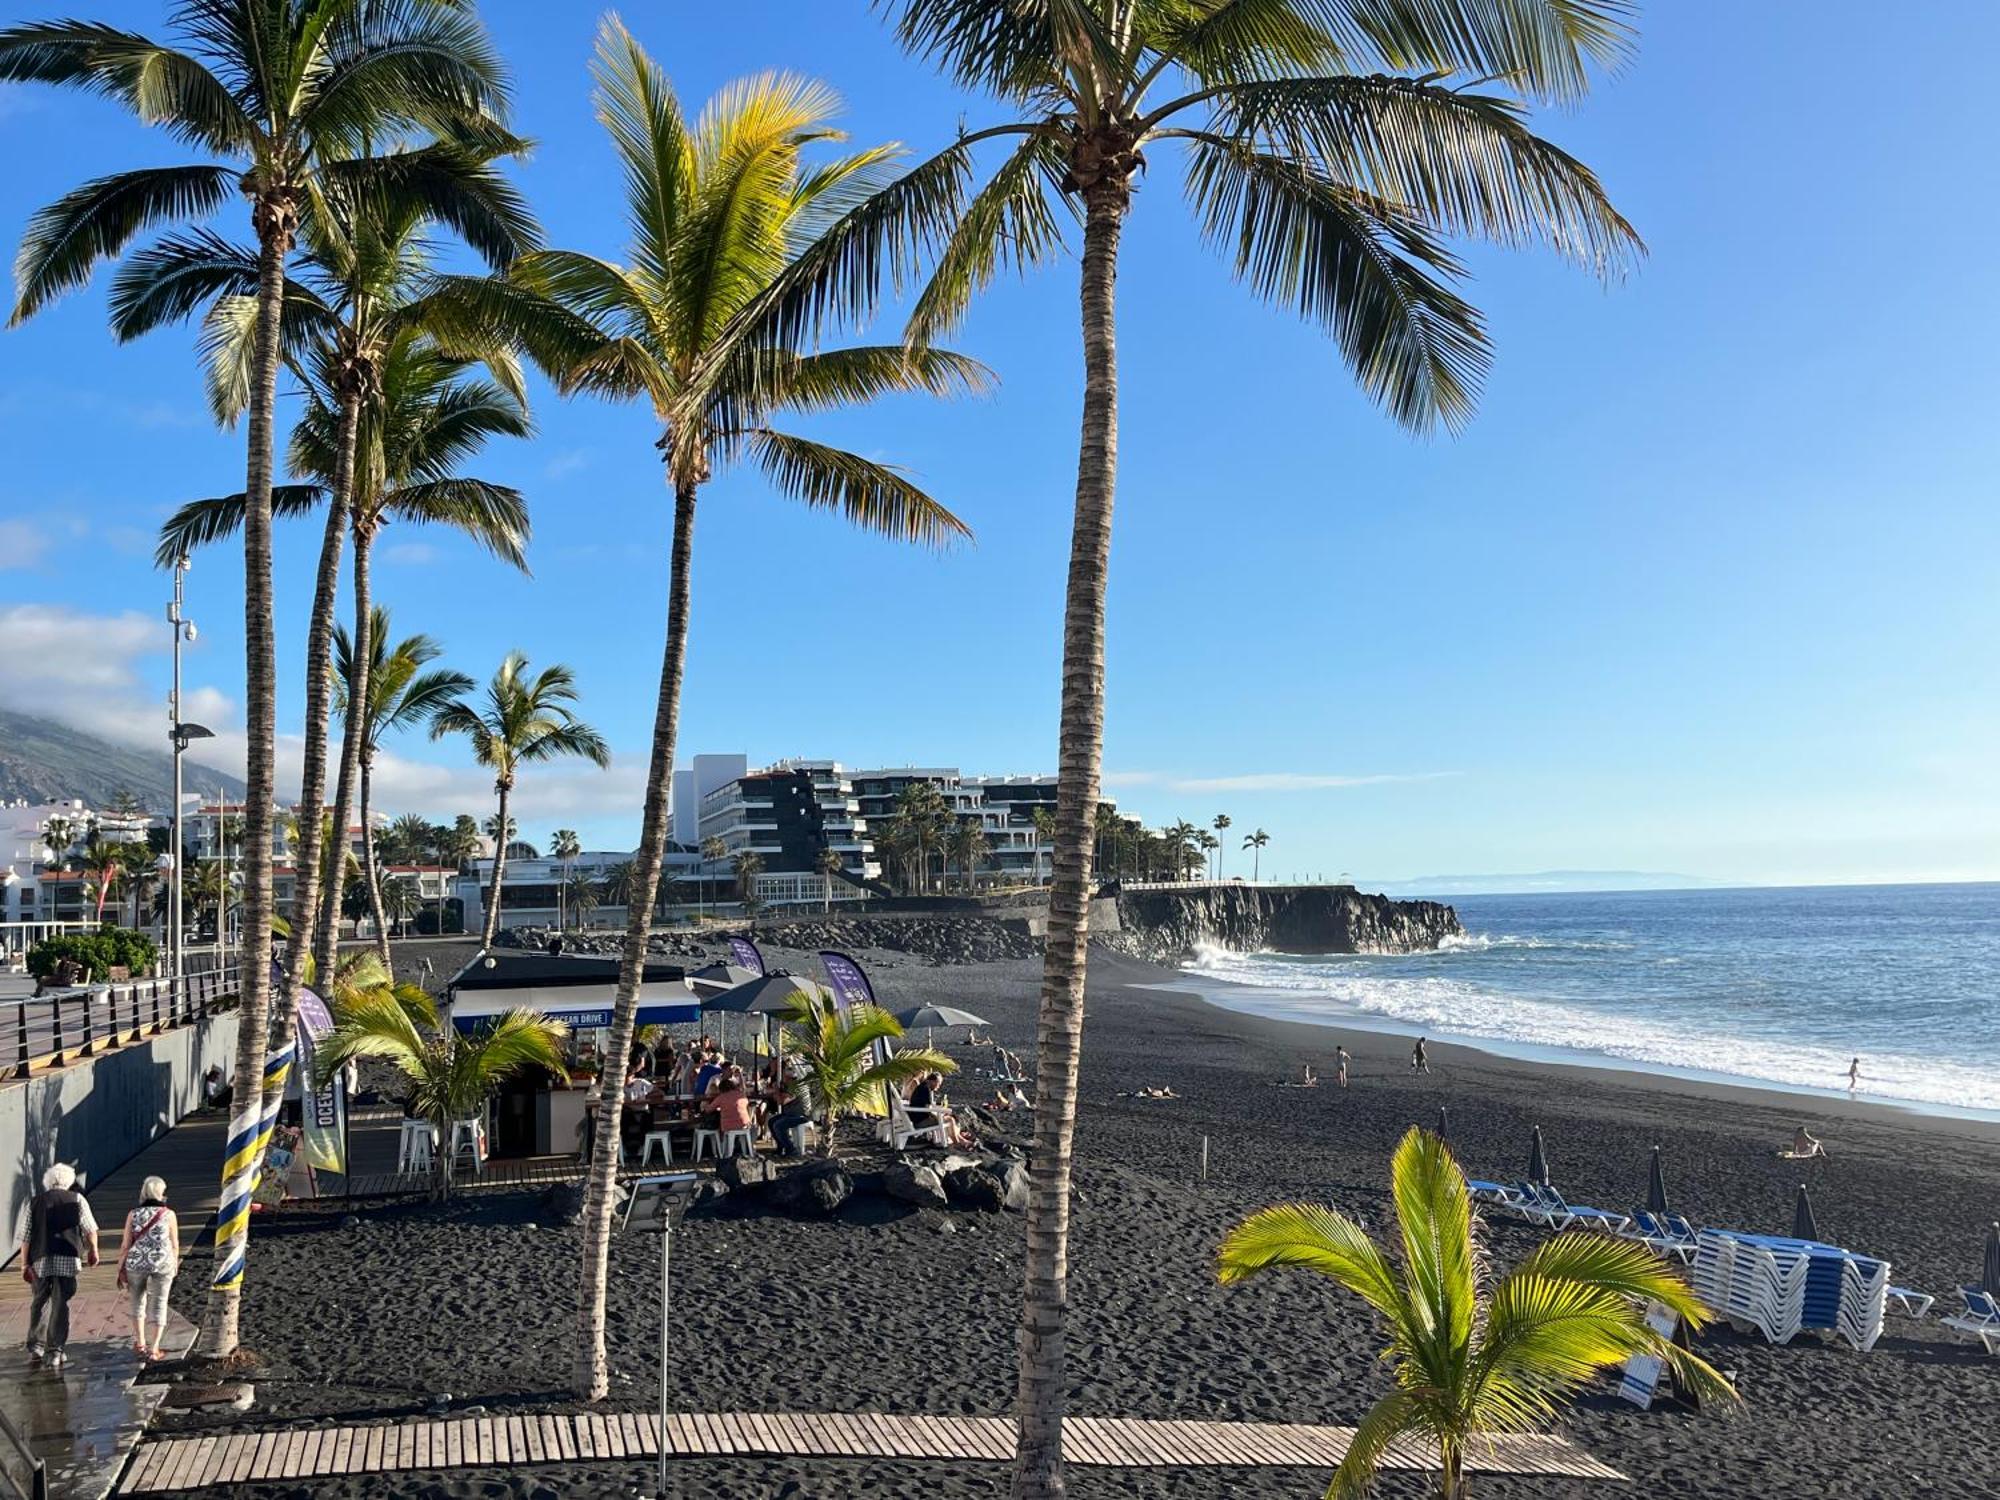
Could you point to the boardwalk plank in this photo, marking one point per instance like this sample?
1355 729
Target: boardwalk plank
609 1443
531 1432
139 1474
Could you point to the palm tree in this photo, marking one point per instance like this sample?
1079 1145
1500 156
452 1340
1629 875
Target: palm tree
839 1059
522 721
1045 832
1255 842
1208 843
1332 148
1105 829
616 884
363 287
394 901
715 215
830 865
58 833
1221 826
400 694
280 90
1180 839
104 863
565 847
451 1073
969 846
1472 1354
712 849
580 893
746 867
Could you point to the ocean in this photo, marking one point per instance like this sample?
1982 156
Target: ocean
1764 986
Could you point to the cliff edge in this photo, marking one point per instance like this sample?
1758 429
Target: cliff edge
1166 924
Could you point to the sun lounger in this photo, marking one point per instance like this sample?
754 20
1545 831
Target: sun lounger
1489 1192
1980 1319
1915 1304
1587 1218
1532 1203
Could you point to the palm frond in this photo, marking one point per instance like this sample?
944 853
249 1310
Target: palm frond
871 495
1545 48
1434 1215
853 376
1317 1238
1374 1435
65 240
201 523
492 515
555 739
449 185
162 86
404 62
637 107
174 277
1009 222
1366 271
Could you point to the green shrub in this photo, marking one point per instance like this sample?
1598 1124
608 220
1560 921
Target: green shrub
96 954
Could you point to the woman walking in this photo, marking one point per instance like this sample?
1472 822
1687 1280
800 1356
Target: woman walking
146 1268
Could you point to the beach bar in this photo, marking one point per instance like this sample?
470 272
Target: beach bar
534 1115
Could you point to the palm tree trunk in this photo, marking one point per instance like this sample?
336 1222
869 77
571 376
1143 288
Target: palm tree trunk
1451 1470
591 1377
275 223
310 855
370 870
326 928
505 786
1038 1473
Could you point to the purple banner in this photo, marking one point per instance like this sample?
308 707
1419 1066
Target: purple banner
746 955
324 1110
844 977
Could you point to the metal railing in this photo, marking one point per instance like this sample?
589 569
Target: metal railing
37 1487
83 1021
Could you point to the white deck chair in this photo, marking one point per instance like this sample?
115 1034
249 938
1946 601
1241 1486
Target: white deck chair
905 1124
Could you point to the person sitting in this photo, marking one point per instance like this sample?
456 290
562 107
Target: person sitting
1308 1079
1009 1096
1805 1145
214 1088
789 1116
705 1076
733 1106
640 1089
927 1097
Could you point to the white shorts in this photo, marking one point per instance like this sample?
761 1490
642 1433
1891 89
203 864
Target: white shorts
148 1291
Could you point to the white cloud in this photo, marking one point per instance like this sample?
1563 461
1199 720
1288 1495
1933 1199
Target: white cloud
22 544
1265 781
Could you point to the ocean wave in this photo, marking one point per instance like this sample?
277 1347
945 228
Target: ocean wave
1752 1049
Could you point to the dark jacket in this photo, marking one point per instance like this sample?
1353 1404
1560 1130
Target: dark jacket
55 1224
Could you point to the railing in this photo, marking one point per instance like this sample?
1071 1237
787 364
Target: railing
37 1487
86 1020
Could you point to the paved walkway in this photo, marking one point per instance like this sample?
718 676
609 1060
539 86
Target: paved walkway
179 1464
84 1419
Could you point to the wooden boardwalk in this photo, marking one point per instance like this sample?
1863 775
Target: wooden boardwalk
187 1463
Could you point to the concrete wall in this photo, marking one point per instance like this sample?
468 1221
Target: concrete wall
99 1113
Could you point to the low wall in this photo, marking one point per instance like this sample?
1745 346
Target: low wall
100 1112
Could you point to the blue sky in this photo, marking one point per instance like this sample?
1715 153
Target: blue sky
1709 585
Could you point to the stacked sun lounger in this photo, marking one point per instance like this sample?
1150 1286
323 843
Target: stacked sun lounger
1782 1286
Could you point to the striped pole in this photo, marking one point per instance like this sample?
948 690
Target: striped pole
250 1125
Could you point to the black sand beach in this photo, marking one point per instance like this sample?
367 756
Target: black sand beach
895 1309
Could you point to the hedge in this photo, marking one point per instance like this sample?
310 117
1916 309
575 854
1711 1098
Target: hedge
95 953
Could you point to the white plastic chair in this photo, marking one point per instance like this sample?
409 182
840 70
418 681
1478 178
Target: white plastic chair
468 1137
414 1153
666 1141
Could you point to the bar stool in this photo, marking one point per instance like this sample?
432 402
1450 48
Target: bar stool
414 1153
666 1140
468 1137
722 1141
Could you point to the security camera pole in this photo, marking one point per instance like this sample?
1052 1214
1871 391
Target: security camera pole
180 734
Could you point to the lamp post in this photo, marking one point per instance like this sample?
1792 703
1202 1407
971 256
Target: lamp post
180 734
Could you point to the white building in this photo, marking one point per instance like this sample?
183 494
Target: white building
693 782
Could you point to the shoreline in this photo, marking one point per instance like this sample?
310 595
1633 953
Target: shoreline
1554 1055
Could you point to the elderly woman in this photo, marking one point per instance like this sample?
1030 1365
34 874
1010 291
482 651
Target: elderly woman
146 1268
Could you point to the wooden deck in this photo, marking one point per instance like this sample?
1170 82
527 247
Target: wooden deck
188 1463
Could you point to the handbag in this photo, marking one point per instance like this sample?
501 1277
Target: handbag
134 1238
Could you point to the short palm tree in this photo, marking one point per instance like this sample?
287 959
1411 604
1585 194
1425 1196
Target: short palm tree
969 848
1472 1353
413 837
281 91
746 867
829 865
617 885
716 210
521 720
1255 843
401 694
58 833
839 1061
1331 149
580 896
451 1073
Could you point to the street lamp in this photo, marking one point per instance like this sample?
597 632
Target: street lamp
180 734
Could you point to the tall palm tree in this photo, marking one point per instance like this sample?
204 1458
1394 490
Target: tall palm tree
1221 826
1331 147
746 867
412 836
1256 842
829 865
580 895
565 847
842 1059
281 91
400 694
104 862
450 1073
1045 832
969 847
712 849
363 286
1472 1354
520 721
714 214
616 884
1180 839
1104 832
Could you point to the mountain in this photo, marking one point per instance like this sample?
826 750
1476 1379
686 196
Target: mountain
44 761
1541 881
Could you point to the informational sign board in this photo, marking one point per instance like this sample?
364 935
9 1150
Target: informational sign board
1642 1371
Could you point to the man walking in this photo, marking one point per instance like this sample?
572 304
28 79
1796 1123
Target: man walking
59 1238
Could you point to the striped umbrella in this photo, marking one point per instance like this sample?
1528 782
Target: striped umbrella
1989 1278
1538 1161
1656 1186
1804 1225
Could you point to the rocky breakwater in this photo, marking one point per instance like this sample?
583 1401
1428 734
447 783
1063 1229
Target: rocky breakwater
1166 925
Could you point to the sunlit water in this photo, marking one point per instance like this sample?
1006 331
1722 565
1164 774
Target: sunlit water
1763 986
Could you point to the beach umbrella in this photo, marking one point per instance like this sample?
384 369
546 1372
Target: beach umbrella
1989 1278
761 995
928 1016
1538 1161
713 979
1656 1186
1804 1226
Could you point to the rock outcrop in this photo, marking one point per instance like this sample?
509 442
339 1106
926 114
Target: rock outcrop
1166 925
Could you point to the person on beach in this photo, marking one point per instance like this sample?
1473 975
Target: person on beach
146 1267
1854 1075
1340 1066
789 1116
732 1105
58 1238
1308 1079
1420 1057
1805 1144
